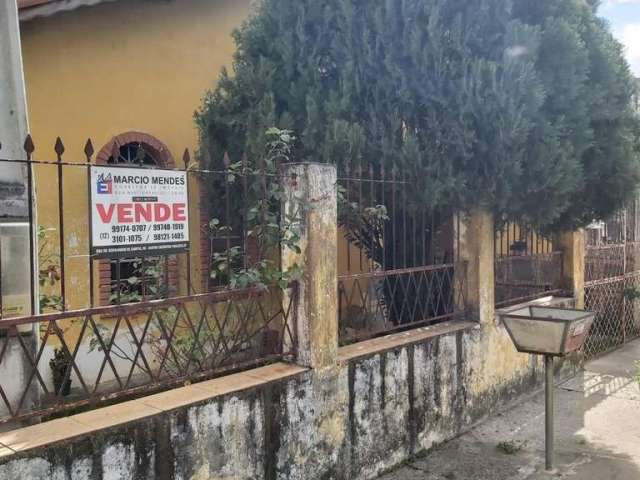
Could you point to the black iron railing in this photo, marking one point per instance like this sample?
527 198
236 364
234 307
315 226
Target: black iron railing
397 254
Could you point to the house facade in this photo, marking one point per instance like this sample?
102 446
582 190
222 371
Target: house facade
129 73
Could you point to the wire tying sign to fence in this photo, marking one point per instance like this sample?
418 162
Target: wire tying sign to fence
137 212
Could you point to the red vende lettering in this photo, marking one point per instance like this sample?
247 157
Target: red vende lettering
105 215
178 212
161 212
125 213
143 212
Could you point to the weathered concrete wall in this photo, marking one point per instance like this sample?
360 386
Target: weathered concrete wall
476 236
358 411
353 421
310 197
573 247
355 412
16 366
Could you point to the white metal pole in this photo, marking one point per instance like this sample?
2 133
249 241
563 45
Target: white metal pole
13 113
14 127
549 410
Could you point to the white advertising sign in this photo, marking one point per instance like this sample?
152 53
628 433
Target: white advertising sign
136 211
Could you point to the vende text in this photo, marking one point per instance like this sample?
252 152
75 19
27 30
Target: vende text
142 212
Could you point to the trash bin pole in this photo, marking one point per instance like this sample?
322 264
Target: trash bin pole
549 407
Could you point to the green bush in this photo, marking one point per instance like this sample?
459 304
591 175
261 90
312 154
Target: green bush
521 107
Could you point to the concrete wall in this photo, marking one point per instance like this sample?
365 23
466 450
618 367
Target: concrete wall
385 401
342 413
15 365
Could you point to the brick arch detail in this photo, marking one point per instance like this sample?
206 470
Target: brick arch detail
165 159
158 149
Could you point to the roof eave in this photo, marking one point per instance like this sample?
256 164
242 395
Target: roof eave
42 8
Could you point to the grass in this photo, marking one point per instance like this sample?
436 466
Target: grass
510 447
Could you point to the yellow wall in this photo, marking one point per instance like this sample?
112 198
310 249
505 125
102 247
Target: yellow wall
129 65
104 70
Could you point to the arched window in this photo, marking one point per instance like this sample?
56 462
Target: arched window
134 154
129 280
128 145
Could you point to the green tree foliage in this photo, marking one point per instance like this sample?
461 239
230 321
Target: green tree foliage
589 89
521 107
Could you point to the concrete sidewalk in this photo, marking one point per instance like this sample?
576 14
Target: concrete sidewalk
597 433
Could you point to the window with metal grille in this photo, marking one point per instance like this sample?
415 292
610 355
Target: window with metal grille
134 154
130 280
139 279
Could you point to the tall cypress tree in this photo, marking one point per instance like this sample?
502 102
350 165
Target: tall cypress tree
589 89
517 106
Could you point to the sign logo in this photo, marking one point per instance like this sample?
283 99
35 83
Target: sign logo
105 184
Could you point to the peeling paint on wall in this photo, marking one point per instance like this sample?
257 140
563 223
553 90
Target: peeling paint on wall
348 422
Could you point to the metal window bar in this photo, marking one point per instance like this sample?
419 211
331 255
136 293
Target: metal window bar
398 270
235 193
526 265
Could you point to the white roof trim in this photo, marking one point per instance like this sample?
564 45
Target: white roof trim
55 7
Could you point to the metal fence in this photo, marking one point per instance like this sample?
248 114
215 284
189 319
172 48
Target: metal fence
612 281
526 265
397 258
151 322
141 348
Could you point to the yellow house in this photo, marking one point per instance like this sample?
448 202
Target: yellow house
130 72
123 72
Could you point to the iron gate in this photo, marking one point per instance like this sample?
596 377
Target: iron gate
527 266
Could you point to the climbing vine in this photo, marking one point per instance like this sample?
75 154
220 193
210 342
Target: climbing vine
266 227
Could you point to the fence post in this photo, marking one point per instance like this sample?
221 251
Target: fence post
475 238
311 197
572 246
